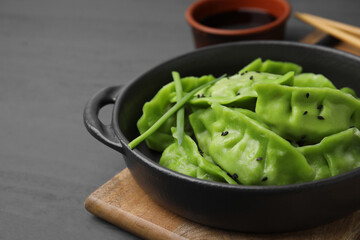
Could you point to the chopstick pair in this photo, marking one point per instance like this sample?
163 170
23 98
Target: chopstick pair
342 31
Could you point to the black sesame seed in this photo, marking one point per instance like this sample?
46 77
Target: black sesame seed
242 73
237 94
246 71
251 77
224 133
264 179
307 95
198 96
234 176
320 117
305 112
259 159
202 95
320 107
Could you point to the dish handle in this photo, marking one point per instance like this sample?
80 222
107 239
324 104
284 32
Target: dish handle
103 133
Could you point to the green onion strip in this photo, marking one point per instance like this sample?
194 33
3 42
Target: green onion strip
170 112
180 115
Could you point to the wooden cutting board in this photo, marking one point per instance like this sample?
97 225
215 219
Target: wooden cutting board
123 203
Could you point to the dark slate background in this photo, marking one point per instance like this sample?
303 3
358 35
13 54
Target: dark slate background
53 56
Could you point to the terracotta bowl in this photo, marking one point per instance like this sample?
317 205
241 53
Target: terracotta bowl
205 35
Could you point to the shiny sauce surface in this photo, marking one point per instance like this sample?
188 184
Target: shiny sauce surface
239 19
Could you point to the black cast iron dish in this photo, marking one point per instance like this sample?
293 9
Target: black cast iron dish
243 208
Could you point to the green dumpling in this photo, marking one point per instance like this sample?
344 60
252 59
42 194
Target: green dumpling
187 159
318 80
349 91
247 150
238 90
270 66
312 80
202 134
306 115
159 105
335 154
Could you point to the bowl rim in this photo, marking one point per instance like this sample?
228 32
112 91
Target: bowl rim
247 188
189 16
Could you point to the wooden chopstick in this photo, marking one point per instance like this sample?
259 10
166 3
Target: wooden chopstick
314 37
342 31
342 26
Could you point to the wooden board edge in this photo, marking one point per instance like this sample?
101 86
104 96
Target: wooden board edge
128 221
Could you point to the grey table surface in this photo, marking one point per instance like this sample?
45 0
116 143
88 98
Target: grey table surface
53 56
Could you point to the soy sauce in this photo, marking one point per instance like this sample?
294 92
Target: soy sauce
239 19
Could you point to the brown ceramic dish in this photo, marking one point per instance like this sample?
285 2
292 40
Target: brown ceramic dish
205 35
234 207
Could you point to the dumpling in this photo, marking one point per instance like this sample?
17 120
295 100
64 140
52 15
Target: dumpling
312 80
159 105
238 90
248 151
335 154
270 66
348 91
306 115
318 80
202 134
187 159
